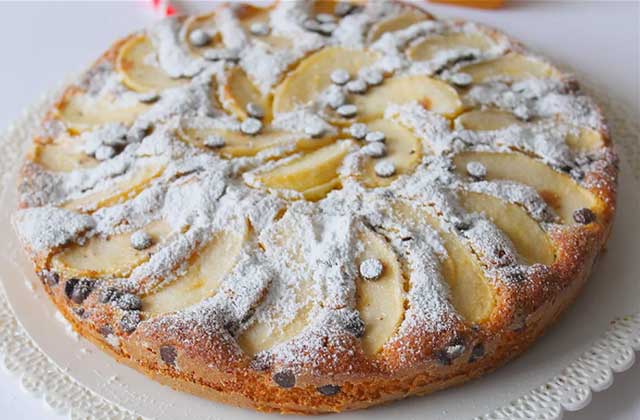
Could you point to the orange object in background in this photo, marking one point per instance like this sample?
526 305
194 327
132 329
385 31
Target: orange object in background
482 4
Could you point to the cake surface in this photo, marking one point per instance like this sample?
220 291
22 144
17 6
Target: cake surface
317 206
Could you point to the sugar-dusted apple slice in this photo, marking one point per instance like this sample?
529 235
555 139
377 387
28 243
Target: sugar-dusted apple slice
263 336
558 190
313 75
531 242
398 22
205 23
237 144
403 150
586 140
433 94
513 67
289 308
129 186
486 120
239 91
380 300
63 154
138 66
204 276
255 21
428 48
112 256
80 111
309 171
471 293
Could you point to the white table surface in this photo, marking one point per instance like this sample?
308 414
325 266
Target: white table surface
43 42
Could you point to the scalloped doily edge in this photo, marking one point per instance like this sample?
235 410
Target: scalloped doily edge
570 390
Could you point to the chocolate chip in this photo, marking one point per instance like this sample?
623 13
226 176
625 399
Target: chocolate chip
49 278
328 390
285 379
105 330
78 289
462 226
477 352
355 325
128 302
108 295
130 320
516 276
584 216
168 354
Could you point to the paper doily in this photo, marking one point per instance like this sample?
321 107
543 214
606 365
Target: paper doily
571 389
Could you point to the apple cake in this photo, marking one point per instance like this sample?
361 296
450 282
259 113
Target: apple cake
316 206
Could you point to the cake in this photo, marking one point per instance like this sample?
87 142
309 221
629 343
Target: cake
316 206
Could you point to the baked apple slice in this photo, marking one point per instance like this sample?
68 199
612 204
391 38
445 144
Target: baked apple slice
513 66
111 256
586 140
313 75
379 300
531 242
129 186
80 112
433 94
237 144
428 48
396 23
138 67
207 269
558 190
61 155
205 23
471 294
403 150
306 173
486 120
287 311
239 91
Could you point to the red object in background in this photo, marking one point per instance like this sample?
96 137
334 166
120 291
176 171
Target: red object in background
164 6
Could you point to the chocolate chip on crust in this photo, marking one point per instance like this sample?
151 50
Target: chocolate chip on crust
78 289
130 320
328 390
355 325
584 216
50 278
476 353
452 351
168 354
105 330
124 301
285 379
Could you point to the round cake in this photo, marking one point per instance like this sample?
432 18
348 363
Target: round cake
316 206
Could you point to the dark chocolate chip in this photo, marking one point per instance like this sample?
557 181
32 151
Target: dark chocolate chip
516 276
477 352
355 325
124 301
168 354
285 379
79 312
108 295
78 289
128 302
462 226
584 216
49 278
442 357
130 320
328 390
105 330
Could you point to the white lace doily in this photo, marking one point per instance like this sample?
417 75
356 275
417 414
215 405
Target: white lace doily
570 389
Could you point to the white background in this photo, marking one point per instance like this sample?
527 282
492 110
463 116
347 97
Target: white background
41 43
